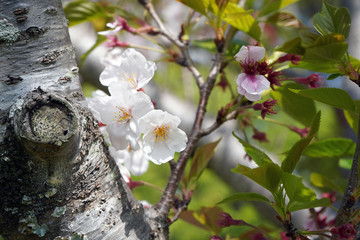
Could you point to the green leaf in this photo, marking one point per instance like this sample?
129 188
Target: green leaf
353 117
308 37
198 5
270 6
80 11
332 96
292 46
330 51
296 206
320 180
208 216
318 66
332 20
295 189
284 19
242 20
245 197
331 148
293 156
200 160
298 107
345 163
267 175
259 157
334 76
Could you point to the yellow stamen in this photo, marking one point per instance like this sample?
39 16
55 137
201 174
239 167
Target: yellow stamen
131 78
161 133
122 115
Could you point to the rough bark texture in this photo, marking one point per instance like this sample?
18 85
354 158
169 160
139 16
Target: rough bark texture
56 177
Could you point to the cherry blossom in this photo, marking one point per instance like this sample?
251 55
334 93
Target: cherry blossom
131 67
251 83
120 112
162 137
135 160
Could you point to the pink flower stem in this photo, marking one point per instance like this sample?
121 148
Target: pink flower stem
151 185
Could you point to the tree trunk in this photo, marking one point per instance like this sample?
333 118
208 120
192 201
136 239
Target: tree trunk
57 179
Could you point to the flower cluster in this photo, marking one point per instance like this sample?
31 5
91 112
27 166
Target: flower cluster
135 131
257 75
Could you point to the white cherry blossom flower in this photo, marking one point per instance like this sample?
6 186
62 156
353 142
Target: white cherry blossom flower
162 137
251 83
251 86
136 161
121 112
131 67
250 54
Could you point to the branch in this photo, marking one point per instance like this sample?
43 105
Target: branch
217 124
164 205
181 45
347 204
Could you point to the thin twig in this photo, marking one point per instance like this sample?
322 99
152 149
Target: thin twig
216 124
164 205
166 201
178 213
347 203
182 46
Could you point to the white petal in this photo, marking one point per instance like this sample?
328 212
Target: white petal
253 97
138 163
255 84
243 54
177 140
256 53
161 153
117 134
109 75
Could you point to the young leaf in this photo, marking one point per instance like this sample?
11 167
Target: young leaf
284 19
242 20
204 218
295 189
198 5
296 206
331 52
257 155
270 6
333 76
80 11
331 148
345 163
293 156
200 160
332 96
267 175
292 46
318 66
353 117
298 107
320 180
244 197
332 20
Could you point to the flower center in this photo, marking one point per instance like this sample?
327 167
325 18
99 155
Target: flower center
131 78
161 133
123 115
